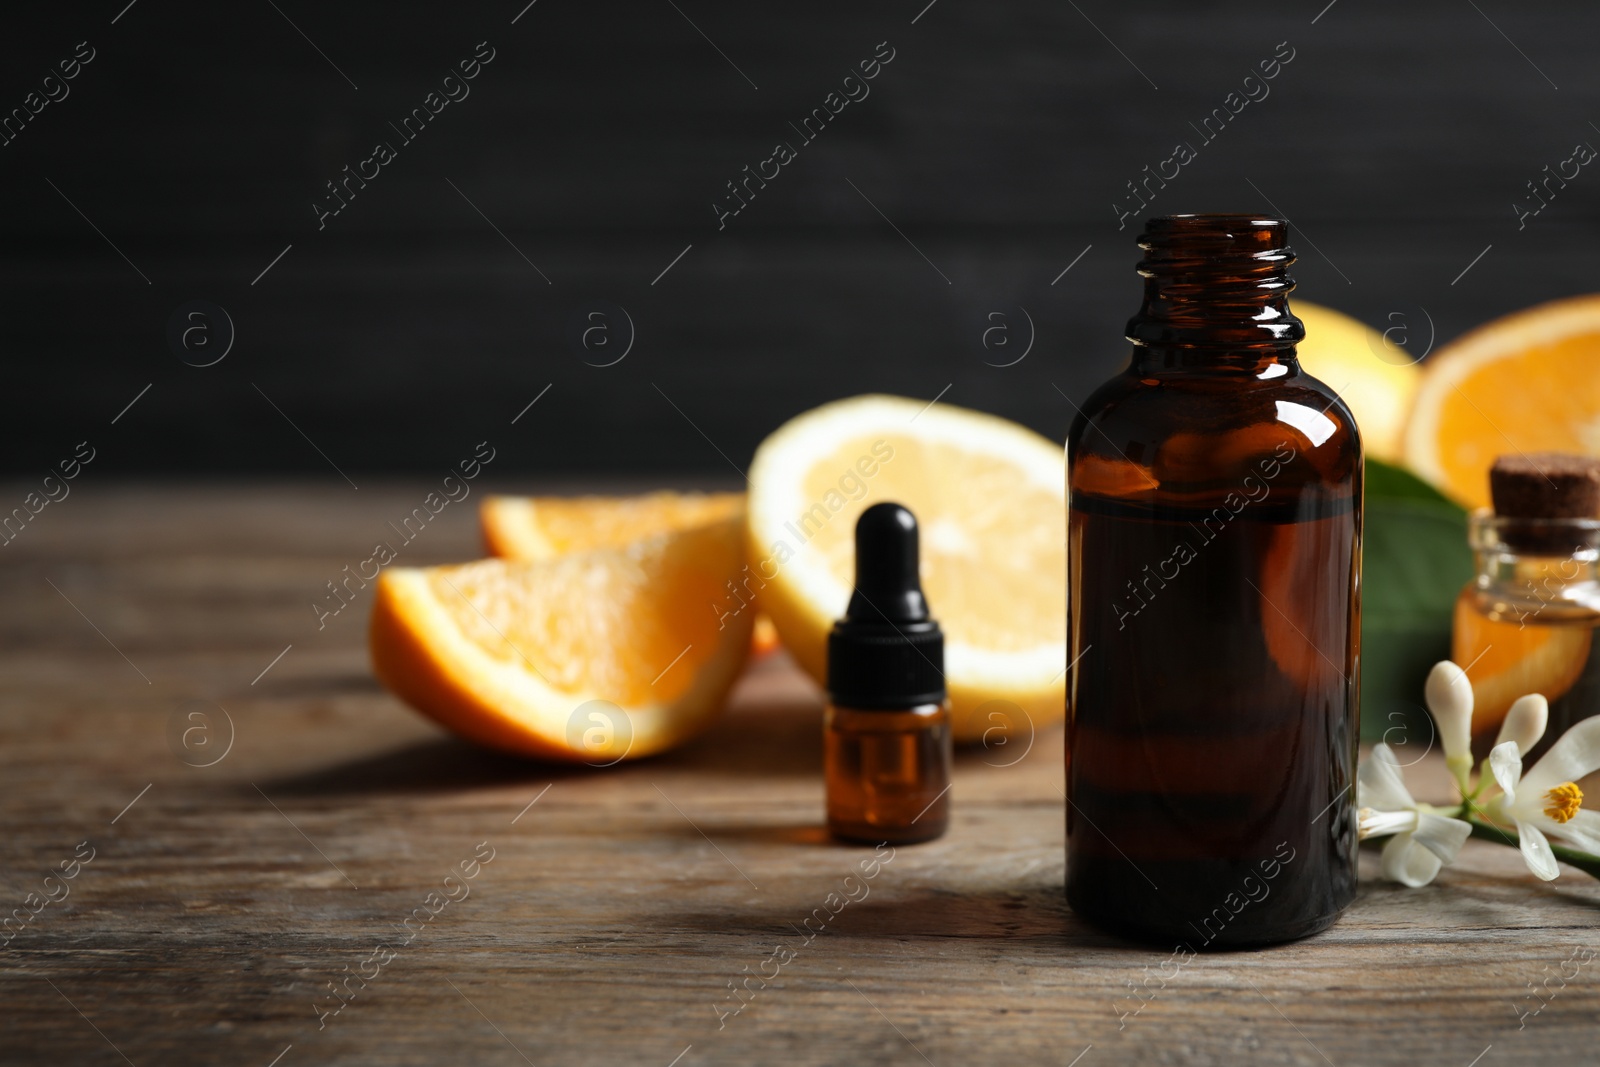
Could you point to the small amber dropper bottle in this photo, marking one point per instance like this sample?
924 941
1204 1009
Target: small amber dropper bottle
886 733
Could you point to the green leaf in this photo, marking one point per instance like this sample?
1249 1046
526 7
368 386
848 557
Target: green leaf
1388 482
1415 561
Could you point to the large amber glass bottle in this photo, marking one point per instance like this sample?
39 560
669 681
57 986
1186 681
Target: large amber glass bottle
1214 568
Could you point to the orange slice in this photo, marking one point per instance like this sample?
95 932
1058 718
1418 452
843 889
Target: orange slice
990 499
617 652
526 527
1523 383
544 527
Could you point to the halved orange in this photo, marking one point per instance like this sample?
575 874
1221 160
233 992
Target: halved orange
620 651
990 501
1373 373
1529 382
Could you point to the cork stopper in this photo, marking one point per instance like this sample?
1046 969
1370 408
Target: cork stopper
1542 486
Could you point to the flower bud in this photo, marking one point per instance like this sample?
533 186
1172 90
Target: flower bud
1449 696
1525 722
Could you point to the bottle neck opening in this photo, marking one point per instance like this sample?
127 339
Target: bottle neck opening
1216 289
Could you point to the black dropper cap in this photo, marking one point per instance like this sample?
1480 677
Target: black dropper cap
887 652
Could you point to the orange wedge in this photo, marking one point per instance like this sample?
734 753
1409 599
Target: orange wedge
990 500
1523 383
617 652
544 527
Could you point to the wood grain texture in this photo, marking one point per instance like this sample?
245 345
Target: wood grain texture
618 908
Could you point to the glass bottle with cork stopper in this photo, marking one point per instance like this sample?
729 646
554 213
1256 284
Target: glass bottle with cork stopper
886 731
1528 622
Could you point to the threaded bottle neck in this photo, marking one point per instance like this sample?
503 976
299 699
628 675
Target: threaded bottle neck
1214 283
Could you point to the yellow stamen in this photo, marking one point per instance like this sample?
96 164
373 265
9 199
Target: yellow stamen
1562 802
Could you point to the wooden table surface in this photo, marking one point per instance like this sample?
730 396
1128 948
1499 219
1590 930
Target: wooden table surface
611 916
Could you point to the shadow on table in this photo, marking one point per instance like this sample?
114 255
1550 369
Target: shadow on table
1033 916
438 765
777 740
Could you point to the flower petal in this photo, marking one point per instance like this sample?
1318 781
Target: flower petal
1449 697
1378 782
1582 831
1572 757
1506 762
1441 835
1525 722
1536 851
1408 863
1371 823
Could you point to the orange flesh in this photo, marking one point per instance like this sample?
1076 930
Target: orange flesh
995 575
576 524
1543 398
645 626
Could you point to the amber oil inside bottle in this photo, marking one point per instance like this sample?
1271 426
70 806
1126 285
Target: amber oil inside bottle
888 773
1214 531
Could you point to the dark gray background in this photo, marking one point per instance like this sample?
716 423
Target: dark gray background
996 141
